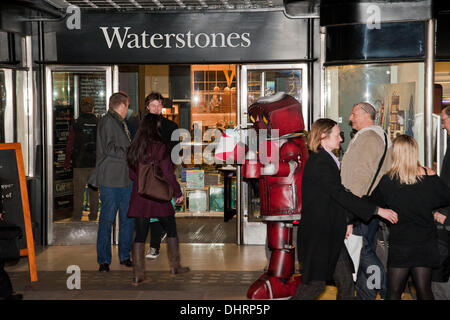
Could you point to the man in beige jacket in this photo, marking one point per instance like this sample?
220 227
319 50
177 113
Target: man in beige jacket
359 166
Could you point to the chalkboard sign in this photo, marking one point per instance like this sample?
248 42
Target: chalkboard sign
16 207
12 199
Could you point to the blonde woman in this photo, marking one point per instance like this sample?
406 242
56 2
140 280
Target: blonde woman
326 206
413 192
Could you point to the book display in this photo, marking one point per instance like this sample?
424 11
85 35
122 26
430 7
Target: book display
196 200
195 179
63 114
216 199
2 106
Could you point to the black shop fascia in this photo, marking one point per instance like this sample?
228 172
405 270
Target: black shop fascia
148 38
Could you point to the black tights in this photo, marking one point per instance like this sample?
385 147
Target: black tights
141 226
397 278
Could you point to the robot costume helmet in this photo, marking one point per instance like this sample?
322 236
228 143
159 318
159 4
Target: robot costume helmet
279 111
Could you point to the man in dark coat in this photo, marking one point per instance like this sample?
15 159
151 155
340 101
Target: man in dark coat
440 278
112 176
80 153
154 104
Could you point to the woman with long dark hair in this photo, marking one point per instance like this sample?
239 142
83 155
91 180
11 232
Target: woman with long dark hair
148 146
413 192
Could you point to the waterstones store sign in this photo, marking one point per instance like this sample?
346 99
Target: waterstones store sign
121 37
177 38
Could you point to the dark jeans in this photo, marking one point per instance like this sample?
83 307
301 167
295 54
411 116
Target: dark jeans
366 284
5 283
342 277
156 232
113 200
167 223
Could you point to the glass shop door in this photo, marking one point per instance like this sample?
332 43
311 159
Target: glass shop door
258 81
67 87
6 106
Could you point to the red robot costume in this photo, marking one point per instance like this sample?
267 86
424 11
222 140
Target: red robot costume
279 171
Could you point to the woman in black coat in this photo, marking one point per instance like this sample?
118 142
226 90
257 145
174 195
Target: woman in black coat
412 191
324 222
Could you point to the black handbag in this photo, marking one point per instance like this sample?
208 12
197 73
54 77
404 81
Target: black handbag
10 234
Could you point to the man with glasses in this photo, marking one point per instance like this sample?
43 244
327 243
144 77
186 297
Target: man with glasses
154 104
440 278
367 159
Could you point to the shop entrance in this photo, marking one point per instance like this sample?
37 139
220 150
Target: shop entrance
200 99
259 81
69 223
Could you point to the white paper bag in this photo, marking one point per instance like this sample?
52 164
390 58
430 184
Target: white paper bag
354 245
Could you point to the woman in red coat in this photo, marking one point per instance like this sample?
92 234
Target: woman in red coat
148 146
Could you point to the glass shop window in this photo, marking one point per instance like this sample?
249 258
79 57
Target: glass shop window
395 90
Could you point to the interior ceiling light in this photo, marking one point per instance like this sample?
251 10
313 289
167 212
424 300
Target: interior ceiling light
90 3
203 3
159 4
180 3
113 4
227 5
172 4
137 5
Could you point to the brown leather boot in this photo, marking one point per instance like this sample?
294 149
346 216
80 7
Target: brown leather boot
173 251
138 254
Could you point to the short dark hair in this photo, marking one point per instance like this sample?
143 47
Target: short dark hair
87 104
117 99
153 96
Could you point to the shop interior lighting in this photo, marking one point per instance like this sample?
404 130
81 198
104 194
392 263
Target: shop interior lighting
137 5
203 3
90 3
113 4
226 4
180 3
159 4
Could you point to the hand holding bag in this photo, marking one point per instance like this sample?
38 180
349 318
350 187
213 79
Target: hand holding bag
152 183
9 241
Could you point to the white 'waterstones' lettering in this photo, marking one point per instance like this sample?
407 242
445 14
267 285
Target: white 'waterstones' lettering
134 43
116 34
121 36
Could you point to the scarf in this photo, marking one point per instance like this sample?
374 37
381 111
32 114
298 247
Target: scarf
117 116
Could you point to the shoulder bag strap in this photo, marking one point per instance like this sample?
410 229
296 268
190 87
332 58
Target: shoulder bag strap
379 164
